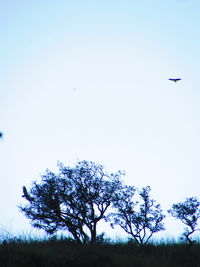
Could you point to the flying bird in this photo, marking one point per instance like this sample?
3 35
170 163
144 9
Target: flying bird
175 80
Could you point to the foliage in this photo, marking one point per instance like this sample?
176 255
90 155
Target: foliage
75 199
140 219
189 213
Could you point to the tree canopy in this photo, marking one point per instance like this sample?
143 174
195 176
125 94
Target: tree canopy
189 213
75 199
140 219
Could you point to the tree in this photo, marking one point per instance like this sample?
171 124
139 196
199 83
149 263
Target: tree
75 199
140 219
189 213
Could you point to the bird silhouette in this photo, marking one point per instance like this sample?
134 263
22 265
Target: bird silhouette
175 80
26 194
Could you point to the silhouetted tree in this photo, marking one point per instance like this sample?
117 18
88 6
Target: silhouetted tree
189 213
140 219
75 199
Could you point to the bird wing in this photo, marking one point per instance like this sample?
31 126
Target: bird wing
175 80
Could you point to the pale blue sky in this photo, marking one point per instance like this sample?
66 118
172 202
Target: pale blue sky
123 113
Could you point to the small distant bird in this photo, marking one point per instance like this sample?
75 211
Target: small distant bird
175 80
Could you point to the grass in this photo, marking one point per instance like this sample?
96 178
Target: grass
24 251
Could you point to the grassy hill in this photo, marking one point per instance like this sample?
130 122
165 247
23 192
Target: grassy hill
67 253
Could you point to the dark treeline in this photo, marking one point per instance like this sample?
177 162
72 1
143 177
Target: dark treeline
77 198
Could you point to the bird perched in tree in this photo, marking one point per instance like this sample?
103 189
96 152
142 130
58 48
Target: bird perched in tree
26 194
175 80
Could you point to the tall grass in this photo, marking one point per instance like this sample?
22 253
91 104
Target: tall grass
29 251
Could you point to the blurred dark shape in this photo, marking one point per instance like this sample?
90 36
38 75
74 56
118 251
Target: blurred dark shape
175 80
1 135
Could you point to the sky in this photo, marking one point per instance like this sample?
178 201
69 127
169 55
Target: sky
88 80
